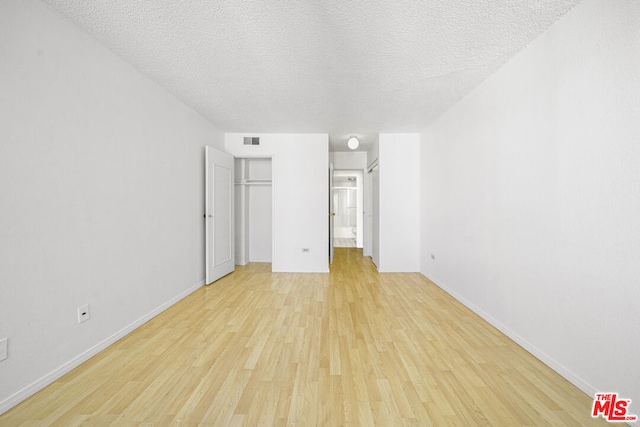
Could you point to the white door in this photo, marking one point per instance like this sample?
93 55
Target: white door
331 213
375 217
368 208
219 230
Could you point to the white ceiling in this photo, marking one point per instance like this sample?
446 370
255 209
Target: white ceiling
343 67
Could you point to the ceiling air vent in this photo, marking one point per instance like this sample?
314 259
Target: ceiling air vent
251 140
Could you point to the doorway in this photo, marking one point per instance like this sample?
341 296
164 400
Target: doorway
347 197
253 210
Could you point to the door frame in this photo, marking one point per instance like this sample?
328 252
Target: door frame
331 214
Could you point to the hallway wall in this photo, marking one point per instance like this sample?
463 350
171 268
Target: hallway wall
399 196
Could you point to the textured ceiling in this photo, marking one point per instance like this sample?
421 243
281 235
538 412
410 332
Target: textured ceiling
343 67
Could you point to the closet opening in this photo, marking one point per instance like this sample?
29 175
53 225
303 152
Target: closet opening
253 210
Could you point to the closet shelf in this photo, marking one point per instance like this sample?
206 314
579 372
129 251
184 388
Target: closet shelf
254 182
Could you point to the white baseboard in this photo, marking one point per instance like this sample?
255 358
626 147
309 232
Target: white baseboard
52 376
539 354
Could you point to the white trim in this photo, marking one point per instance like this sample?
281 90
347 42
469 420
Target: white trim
54 375
536 352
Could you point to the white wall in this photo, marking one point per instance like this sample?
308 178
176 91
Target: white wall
300 196
399 156
531 198
101 197
348 159
374 151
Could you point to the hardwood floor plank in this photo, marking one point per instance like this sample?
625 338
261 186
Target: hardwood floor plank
347 348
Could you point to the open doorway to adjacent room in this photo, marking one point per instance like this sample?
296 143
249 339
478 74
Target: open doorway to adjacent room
347 194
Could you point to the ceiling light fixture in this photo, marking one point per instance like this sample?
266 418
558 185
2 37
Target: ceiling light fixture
353 143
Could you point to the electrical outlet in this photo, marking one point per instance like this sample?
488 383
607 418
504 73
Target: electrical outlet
83 313
305 249
4 342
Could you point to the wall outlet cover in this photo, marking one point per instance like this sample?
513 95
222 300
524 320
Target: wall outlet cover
83 313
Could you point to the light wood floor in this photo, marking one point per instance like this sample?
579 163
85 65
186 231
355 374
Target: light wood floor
347 348
340 242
